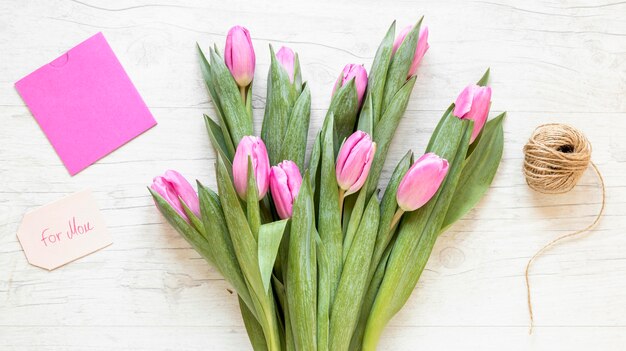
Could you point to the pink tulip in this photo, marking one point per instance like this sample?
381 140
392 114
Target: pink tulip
287 59
359 74
285 182
354 161
421 182
176 190
473 103
420 50
239 55
253 147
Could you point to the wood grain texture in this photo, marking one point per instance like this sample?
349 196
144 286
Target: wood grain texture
552 61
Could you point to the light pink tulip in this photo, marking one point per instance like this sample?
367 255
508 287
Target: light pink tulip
359 74
473 103
239 55
354 161
287 59
174 188
253 147
420 50
285 182
421 182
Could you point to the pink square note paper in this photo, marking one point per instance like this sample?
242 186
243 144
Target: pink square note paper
85 103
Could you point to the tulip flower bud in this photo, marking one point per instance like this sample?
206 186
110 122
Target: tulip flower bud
174 188
285 182
253 147
359 74
473 103
287 59
421 182
420 49
239 55
354 161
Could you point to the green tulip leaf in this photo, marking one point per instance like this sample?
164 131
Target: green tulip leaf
314 163
344 106
253 212
253 328
388 208
353 283
386 128
323 296
235 115
270 236
478 172
243 240
369 298
366 118
224 147
281 96
484 79
297 130
378 73
301 282
354 222
220 245
329 217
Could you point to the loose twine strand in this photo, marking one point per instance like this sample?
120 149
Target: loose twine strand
555 158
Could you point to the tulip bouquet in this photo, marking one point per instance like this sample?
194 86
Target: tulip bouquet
319 260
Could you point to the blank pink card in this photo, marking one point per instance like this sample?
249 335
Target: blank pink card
85 103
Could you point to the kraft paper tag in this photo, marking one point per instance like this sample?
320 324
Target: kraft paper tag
63 231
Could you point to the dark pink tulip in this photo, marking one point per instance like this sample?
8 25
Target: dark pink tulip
174 188
285 182
420 50
421 182
359 74
473 103
287 59
239 55
253 147
354 161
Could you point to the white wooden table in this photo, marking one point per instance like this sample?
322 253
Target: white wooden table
551 61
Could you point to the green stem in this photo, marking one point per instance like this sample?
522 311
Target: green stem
273 339
396 219
341 197
242 91
373 331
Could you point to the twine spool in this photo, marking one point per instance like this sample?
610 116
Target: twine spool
555 158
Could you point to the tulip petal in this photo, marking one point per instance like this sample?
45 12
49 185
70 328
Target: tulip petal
346 149
286 57
356 72
365 172
285 182
355 162
253 147
420 51
400 38
282 199
184 190
174 188
480 110
463 103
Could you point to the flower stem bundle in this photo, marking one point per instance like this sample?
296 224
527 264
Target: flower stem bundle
318 259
